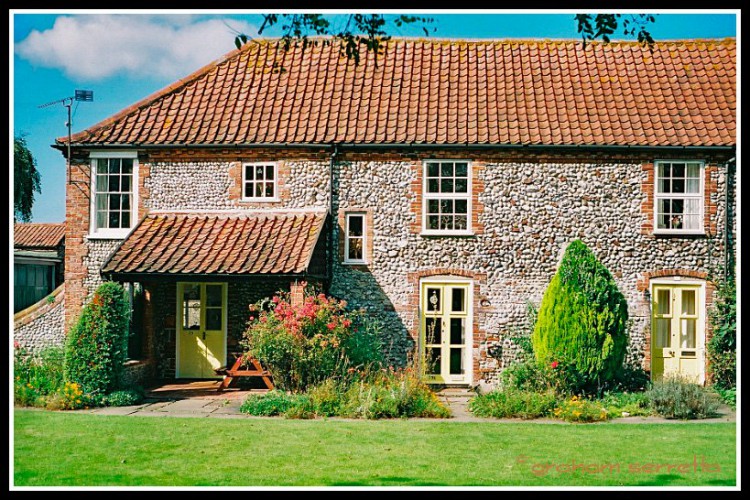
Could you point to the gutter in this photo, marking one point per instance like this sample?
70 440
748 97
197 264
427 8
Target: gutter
727 228
332 250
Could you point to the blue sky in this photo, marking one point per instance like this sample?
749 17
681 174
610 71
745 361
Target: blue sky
125 57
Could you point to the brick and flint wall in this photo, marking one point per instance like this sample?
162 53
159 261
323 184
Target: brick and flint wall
528 205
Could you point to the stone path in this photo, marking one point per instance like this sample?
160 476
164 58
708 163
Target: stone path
203 402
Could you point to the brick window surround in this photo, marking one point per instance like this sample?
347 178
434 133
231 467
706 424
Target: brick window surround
476 169
710 189
236 188
369 236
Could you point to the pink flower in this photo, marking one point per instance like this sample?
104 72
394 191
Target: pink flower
16 345
252 318
347 323
331 325
275 299
554 364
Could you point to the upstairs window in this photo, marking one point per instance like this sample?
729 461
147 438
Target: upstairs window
354 242
113 194
679 197
447 197
259 182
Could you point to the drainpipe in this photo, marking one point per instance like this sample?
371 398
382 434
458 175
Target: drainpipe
727 228
331 246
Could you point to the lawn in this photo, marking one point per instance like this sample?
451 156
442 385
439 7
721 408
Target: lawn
79 449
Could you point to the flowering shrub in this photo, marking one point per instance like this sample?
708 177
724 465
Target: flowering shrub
305 344
578 409
36 376
69 397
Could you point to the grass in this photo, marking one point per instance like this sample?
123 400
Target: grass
65 449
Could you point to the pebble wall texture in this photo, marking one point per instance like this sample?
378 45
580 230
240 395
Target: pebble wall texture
45 327
98 253
531 212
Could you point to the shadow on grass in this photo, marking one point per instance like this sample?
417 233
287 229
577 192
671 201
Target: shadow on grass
387 480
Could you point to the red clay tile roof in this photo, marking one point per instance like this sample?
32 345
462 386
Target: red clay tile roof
219 243
446 92
37 235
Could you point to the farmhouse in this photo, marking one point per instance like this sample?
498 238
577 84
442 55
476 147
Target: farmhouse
436 186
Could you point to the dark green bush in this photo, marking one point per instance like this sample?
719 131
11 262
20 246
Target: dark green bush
729 396
272 403
513 404
722 348
582 322
127 397
633 403
97 345
36 376
674 397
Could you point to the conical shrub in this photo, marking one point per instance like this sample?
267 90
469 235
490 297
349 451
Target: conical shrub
582 322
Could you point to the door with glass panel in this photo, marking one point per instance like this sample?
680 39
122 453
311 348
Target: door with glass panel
201 332
677 343
446 332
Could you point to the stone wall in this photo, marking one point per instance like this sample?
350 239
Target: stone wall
43 324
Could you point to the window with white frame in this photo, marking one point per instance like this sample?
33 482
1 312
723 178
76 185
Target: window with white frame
447 197
113 194
354 241
678 196
259 182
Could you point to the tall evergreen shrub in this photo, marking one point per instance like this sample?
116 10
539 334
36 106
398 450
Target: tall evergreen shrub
96 346
582 320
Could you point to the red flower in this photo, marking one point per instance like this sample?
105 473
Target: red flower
331 325
554 364
275 299
346 323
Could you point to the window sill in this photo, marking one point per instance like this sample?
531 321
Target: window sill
108 236
260 200
447 234
679 234
354 263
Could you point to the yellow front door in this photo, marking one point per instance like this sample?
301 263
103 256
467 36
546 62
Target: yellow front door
677 332
201 335
446 332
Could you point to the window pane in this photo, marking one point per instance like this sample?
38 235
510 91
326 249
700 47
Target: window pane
433 186
688 302
663 301
458 302
258 189
432 222
101 183
126 201
432 170
355 249
461 169
269 189
125 219
665 186
678 170
665 170
213 319
459 222
457 330
694 170
249 190
433 333
127 165
355 225
114 202
213 295
446 170
114 183
433 206
114 219
461 185
446 222
114 165
662 337
446 206
457 361
687 335
693 186
664 206
101 219
678 185
432 361
691 222
433 299
676 221
461 206
269 172
446 185
249 173
663 222
259 172
678 206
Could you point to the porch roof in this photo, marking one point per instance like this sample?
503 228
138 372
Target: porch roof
220 243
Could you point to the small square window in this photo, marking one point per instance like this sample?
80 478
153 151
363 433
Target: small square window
259 182
447 202
355 238
678 200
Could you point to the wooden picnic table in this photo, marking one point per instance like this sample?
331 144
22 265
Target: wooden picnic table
230 374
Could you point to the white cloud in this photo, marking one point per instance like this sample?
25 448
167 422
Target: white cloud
94 47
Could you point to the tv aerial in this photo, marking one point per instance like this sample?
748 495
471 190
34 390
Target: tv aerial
79 96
